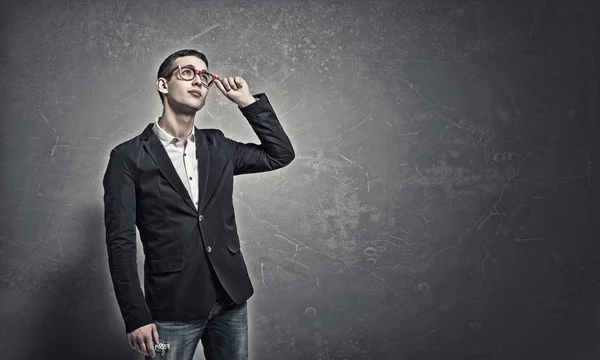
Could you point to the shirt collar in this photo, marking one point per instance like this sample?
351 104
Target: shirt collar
166 138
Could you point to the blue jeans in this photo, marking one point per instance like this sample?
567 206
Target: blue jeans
224 334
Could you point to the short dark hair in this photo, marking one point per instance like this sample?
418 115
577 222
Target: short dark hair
167 64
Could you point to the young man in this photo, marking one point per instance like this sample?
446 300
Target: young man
175 182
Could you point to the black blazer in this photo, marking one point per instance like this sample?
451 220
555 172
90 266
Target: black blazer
142 188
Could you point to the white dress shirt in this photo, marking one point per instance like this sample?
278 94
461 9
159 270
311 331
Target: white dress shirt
183 159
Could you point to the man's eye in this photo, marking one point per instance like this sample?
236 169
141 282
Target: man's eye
186 72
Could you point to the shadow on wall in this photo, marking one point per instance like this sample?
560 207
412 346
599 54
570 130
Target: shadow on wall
78 316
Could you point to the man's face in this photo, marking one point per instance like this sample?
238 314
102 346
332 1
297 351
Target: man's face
184 96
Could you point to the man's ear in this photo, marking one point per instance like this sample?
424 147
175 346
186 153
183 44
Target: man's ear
161 86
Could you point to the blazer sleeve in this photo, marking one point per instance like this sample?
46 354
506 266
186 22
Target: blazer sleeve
275 150
119 220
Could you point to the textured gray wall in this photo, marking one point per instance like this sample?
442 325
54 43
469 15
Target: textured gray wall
443 203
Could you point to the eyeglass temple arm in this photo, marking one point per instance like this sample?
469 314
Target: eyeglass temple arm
215 76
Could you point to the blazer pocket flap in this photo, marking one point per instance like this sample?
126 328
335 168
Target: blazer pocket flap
166 265
233 244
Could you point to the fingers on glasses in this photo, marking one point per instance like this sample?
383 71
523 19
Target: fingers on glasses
232 83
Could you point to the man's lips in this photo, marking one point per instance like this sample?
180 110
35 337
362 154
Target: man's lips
195 92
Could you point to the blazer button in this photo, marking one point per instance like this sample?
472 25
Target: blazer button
200 217
208 248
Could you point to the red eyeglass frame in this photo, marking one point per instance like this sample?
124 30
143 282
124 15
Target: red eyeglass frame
198 72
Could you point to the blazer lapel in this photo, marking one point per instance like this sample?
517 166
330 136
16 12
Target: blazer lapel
158 153
203 156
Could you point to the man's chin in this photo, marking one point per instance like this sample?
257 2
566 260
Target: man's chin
195 105
188 105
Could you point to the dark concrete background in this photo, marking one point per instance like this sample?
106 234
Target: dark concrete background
443 203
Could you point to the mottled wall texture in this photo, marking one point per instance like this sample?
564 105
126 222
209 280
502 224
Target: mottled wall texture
444 200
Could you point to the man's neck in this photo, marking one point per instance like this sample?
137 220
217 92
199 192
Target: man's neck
178 125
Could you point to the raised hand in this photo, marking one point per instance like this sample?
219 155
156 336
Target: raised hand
235 89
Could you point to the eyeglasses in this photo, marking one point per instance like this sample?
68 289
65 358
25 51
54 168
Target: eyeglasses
188 73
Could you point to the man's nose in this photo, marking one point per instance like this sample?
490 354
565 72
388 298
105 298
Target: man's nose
197 80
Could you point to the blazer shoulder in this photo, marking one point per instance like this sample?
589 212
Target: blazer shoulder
213 136
127 149
126 145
